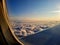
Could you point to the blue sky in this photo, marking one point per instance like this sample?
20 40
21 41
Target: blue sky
34 9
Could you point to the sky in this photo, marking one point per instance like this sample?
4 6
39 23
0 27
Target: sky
34 9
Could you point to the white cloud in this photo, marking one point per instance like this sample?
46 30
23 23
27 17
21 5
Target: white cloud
57 11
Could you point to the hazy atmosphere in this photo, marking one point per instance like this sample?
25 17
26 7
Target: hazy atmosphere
34 10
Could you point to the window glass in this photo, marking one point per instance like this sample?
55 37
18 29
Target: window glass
31 17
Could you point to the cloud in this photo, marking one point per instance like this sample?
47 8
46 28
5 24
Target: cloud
57 11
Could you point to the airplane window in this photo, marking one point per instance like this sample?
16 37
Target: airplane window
32 17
